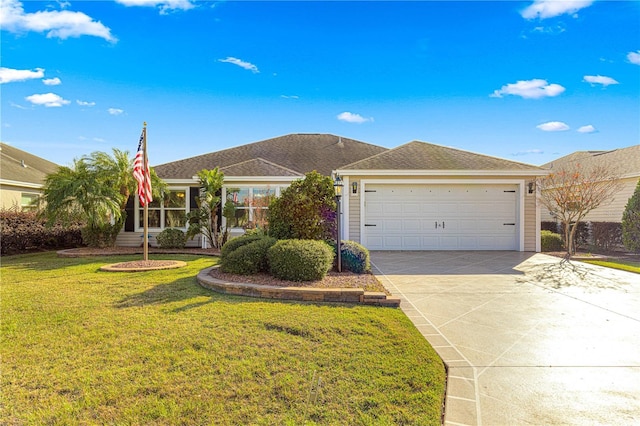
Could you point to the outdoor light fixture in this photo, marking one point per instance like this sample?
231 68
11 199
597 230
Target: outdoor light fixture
354 187
531 187
337 187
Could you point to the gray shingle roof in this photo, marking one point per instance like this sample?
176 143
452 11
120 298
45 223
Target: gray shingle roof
418 155
625 161
257 167
299 153
20 166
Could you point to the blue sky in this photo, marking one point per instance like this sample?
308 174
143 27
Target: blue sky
527 81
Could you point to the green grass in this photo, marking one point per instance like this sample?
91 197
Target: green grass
81 346
624 265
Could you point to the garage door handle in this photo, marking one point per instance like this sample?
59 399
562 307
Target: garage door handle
369 224
509 224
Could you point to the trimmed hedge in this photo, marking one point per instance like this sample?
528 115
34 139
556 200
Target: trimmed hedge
300 260
550 241
236 243
249 258
24 231
171 238
354 257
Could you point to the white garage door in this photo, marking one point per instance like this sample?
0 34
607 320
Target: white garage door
440 217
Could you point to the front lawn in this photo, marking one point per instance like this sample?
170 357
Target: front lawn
625 265
80 346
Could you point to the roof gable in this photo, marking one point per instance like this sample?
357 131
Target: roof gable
257 167
418 155
20 166
299 153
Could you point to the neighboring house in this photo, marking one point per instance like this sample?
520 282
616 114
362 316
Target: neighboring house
623 161
418 196
22 176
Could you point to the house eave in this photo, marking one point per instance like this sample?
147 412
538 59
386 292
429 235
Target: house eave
20 184
355 172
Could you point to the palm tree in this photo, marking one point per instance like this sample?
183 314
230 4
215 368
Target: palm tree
95 190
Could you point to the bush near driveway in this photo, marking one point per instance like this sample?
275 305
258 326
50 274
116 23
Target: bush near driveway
237 242
550 241
300 260
80 346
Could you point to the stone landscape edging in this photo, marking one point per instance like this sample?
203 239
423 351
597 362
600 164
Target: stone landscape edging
301 294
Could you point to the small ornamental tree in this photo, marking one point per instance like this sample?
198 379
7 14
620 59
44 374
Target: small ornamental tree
631 222
572 191
204 219
304 210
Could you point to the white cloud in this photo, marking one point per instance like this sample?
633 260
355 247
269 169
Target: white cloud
587 129
48 100
164 5
290 96
553 126
242 64
634 57
544 9
599 79
529 89
85 103
55 23
528 152
115 111
350 117
52 81
9 75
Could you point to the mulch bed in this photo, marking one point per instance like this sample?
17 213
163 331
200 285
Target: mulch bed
366 281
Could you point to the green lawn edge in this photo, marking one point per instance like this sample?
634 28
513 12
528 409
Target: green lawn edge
617 264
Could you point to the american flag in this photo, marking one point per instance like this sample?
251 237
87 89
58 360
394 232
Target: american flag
141 173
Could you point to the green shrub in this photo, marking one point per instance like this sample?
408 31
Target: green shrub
354 257
305 210
248 259
631 222
171 238
300 260
550 241
101 236
235 243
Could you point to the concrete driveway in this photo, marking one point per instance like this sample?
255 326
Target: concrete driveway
526 339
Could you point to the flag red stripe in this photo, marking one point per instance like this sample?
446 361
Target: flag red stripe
142 174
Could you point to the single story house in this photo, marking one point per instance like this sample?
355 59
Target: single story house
22 177
418 196
625 162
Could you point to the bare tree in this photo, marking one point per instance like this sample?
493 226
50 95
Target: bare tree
572 191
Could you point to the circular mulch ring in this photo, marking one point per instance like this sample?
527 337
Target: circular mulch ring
143 265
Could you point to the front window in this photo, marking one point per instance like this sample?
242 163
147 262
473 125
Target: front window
28 200
251 205
171 212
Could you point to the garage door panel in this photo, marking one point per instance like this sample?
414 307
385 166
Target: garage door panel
411 217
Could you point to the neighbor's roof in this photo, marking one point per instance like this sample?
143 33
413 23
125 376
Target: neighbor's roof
625 161
20 166
418 155
296 154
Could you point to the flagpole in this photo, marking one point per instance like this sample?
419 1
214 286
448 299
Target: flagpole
145 160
